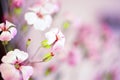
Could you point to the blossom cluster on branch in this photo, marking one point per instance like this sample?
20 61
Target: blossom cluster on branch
16 64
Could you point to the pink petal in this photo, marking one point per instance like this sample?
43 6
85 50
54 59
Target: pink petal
9 72
9 58
13 31
5 36
14 56
1 25
27 71
59 45
8 24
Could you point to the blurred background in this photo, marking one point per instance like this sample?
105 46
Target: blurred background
92 46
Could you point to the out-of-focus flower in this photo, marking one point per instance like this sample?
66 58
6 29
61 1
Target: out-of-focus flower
39 17
50 69
74 57
52 6
13 67
7 31
55 38
17 3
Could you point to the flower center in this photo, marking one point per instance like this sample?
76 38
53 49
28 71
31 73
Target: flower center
39 15
4 28
17 65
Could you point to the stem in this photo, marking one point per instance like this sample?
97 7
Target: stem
36 62
4 45
35 54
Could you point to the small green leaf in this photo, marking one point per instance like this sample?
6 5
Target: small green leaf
28 42
66 24
47 72
17 11
24 28
45 44
47 57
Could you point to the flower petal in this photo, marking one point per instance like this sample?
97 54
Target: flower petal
13 31
1 26
9 58
8 24
13 56
27 71
9 72
30 17
21 55
5 36
59 44
50 37
40 25
48 20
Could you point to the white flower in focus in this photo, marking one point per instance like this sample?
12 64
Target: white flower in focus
39 18
13 67
55 38
7 31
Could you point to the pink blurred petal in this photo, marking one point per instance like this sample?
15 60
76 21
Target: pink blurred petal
9 72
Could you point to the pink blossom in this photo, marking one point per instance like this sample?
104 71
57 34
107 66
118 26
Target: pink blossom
13 67
74 57
7 31
39 17
55 38
17 3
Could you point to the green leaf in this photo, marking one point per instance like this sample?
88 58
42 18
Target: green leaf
66 24
45 44
47 57
17 11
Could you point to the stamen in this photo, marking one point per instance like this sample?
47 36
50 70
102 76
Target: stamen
39 15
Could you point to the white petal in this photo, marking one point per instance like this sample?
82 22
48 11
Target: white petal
30 17
48 20
27 71
51 37
59 44
43 11
51 8
35 8
40 25
21 55
9 72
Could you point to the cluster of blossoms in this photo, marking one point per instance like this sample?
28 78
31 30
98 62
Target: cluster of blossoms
16 64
